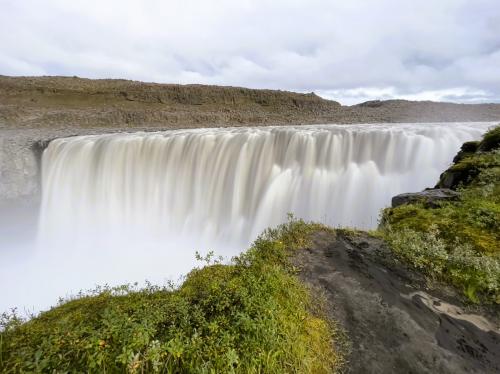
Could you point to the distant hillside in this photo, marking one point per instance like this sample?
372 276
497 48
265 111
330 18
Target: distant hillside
28 102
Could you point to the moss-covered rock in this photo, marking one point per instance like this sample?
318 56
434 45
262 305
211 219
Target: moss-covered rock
458 175
431 198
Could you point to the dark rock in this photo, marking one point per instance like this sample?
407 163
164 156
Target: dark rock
429 197
394 323
459 174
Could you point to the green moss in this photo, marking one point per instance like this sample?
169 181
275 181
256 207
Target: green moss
252 316
464 235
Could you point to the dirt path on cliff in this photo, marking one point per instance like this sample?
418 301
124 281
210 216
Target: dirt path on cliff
394 323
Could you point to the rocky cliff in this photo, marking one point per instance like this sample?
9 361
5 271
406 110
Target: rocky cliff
65 102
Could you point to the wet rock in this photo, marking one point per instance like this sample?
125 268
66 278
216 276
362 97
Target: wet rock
429 197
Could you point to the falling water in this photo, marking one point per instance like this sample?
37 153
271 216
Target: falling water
125 207
229 184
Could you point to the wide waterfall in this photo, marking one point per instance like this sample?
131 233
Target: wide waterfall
227 185
121 208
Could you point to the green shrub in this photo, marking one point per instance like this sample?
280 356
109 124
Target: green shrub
478 276
252 316
424 251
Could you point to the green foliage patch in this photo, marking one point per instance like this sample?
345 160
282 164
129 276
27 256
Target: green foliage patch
252 316
458 242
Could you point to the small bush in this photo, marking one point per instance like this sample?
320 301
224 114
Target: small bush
424 251
477 275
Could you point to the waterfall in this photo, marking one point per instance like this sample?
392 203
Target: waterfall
227 185
121 208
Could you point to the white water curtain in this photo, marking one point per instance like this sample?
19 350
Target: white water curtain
230 184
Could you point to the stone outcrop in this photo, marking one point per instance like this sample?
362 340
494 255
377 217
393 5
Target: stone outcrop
430 197
454 177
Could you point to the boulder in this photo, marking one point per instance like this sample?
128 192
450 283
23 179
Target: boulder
429 197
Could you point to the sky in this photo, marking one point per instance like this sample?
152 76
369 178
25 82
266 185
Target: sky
349 50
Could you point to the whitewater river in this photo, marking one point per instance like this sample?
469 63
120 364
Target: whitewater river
123 208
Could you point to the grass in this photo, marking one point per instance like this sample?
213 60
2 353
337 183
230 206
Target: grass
253 316
458 242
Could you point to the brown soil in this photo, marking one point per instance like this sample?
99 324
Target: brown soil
65 102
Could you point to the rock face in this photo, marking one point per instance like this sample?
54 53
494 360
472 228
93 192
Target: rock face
454 177
18 168
57 102
395 324
429 197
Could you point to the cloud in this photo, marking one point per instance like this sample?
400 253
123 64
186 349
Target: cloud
349 50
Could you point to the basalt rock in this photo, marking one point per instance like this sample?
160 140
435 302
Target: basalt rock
453 178
429 197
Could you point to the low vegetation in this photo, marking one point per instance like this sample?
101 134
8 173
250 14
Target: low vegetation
252 316
458 242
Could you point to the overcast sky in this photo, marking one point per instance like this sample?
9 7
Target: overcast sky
349 50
